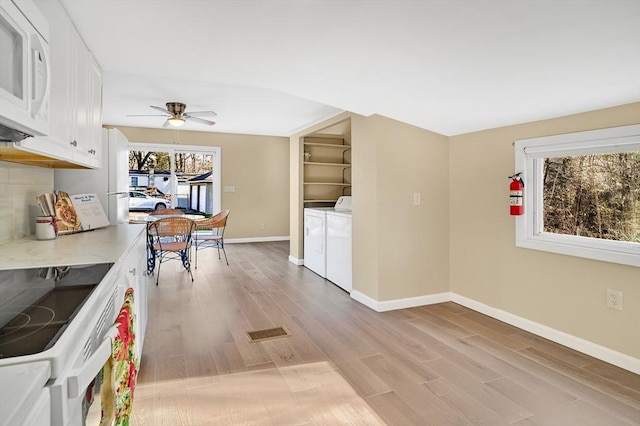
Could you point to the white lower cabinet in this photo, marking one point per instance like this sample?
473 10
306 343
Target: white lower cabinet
133 273
40 413
24 398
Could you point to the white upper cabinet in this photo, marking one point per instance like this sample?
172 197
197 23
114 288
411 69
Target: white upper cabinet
76 93
85 134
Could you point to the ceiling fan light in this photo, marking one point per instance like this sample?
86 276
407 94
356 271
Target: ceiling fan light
176 121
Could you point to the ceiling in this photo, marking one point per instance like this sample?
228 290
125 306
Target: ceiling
276 66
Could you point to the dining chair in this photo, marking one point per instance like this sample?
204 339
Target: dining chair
210 233
171 238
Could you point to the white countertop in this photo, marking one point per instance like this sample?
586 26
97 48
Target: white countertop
21 387
97 246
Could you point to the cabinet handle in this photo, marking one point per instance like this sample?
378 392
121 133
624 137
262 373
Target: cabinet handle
92 151
74 143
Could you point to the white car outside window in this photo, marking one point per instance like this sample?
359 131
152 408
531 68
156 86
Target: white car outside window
141 201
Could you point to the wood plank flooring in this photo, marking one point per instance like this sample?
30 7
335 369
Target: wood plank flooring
347 364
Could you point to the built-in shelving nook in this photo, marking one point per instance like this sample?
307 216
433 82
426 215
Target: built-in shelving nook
327 168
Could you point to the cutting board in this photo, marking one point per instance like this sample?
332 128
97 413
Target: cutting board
89 211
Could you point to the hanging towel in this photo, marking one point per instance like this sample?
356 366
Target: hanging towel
120 372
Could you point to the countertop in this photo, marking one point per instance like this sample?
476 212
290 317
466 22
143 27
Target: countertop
97 246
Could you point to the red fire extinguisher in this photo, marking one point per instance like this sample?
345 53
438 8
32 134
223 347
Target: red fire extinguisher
516 195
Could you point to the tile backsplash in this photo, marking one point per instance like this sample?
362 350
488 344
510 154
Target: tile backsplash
19 185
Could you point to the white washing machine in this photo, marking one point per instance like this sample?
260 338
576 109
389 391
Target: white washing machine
338 248
315 240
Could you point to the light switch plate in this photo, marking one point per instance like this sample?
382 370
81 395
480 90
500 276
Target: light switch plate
229 188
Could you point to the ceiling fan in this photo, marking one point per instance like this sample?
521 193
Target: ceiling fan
176 115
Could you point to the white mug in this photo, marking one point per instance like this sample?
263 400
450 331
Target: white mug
46 228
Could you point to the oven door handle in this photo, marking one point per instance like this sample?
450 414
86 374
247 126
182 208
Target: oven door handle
80 378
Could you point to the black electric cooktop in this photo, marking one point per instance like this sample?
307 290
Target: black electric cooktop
40 303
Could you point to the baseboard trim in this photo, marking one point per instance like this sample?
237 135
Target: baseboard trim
595 350
391 305
365 300
255 240
296 261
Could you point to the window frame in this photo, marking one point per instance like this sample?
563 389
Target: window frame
529 160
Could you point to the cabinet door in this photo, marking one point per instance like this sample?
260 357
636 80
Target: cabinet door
60 101
79 110
87 106
133 274
94 114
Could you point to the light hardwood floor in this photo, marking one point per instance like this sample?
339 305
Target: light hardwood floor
441 364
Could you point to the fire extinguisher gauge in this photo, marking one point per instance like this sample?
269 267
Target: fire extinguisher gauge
518 177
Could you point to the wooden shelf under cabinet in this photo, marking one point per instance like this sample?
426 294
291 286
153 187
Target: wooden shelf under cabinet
328 183
329 145
312 163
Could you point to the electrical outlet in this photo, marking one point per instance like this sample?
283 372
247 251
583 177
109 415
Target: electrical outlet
262 226
416 198
614 299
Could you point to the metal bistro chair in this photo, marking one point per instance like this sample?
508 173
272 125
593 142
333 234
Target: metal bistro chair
214 238
170 238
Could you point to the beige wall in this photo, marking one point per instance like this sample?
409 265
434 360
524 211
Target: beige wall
19 186
563 292
399 250
258 166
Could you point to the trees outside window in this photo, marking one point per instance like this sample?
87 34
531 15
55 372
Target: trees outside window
595 196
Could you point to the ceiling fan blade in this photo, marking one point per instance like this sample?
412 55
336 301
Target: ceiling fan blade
209 113
161 109
166 123
147 115
200 120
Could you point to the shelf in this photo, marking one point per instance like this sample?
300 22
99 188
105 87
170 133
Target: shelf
312 163
328 183
326 172
328 145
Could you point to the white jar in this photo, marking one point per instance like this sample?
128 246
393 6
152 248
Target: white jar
46 228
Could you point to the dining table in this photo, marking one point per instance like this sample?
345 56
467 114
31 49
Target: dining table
153 218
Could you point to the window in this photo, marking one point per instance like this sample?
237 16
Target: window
582 194
174 172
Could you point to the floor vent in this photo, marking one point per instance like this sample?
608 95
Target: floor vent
268 333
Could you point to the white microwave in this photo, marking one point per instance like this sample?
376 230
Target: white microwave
25 77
